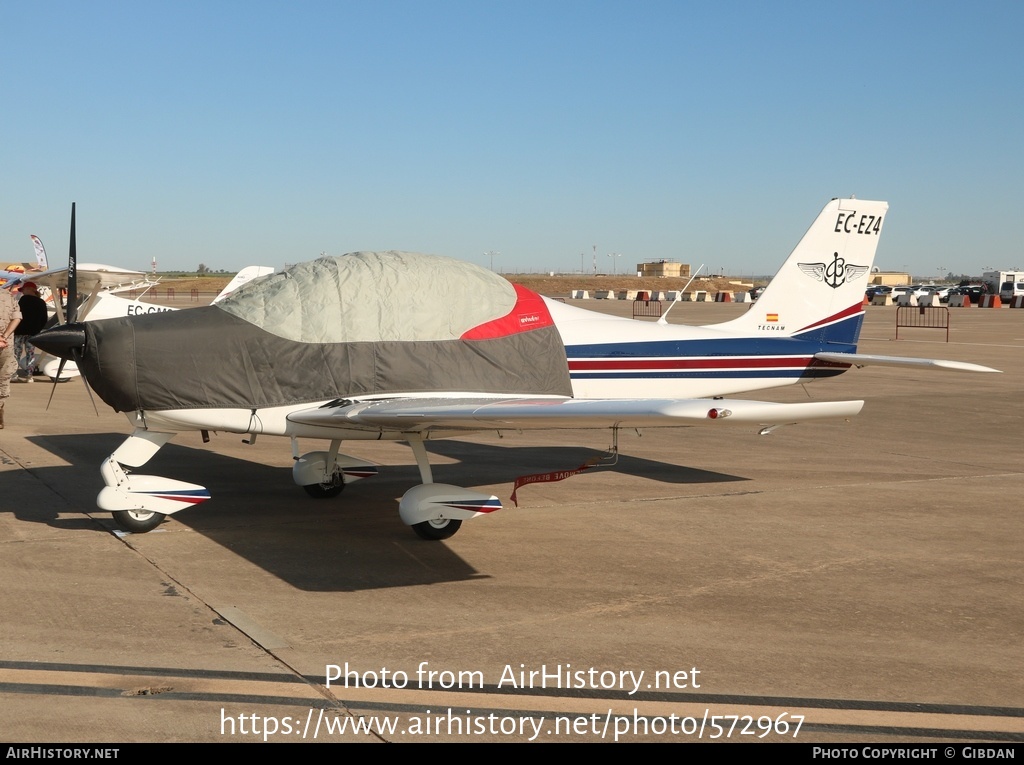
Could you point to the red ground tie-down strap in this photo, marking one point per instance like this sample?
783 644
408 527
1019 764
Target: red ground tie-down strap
555 475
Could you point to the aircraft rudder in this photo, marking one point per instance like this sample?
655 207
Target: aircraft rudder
836 254
820 287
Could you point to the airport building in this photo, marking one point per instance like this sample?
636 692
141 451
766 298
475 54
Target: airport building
663 268
889 278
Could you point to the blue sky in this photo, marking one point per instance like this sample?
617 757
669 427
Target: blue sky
229 133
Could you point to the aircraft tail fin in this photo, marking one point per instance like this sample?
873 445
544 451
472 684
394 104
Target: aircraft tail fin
819 291
245 275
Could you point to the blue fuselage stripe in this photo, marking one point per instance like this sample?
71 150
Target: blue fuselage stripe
838 337
706 349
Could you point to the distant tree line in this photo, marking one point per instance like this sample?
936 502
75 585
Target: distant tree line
203 270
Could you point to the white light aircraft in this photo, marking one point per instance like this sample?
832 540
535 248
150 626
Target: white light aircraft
408 347
103 286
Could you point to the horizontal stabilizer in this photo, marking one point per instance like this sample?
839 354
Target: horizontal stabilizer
864 359
473 414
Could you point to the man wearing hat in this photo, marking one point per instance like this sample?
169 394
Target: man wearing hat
33 319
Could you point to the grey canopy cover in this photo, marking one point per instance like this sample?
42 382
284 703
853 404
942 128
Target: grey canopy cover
358 324
373 297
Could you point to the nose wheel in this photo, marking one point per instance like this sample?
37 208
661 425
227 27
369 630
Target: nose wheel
437 530
137 521
331 488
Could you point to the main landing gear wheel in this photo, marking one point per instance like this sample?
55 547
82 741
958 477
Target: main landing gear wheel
435 530
137 521
331 488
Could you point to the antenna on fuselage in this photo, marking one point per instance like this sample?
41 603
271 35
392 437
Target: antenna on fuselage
664 319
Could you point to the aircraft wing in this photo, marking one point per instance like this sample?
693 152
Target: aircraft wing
90 276
864 359
413 415
9 278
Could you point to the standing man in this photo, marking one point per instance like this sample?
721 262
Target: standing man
10 318
33 319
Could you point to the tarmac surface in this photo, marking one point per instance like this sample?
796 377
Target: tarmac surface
864 579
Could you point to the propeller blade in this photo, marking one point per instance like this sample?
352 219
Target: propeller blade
66 340
53 389
72 312
78 360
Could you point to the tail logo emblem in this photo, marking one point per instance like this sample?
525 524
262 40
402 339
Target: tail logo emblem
834 274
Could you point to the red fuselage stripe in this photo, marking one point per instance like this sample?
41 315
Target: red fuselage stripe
692 363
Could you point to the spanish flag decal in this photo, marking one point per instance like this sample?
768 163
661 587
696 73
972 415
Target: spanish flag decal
771 317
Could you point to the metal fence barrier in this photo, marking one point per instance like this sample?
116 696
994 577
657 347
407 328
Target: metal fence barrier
922 317
646 308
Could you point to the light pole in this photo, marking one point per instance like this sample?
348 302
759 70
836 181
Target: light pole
491 254
613 256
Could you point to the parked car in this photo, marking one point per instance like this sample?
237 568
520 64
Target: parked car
940 292
917 290
974 291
